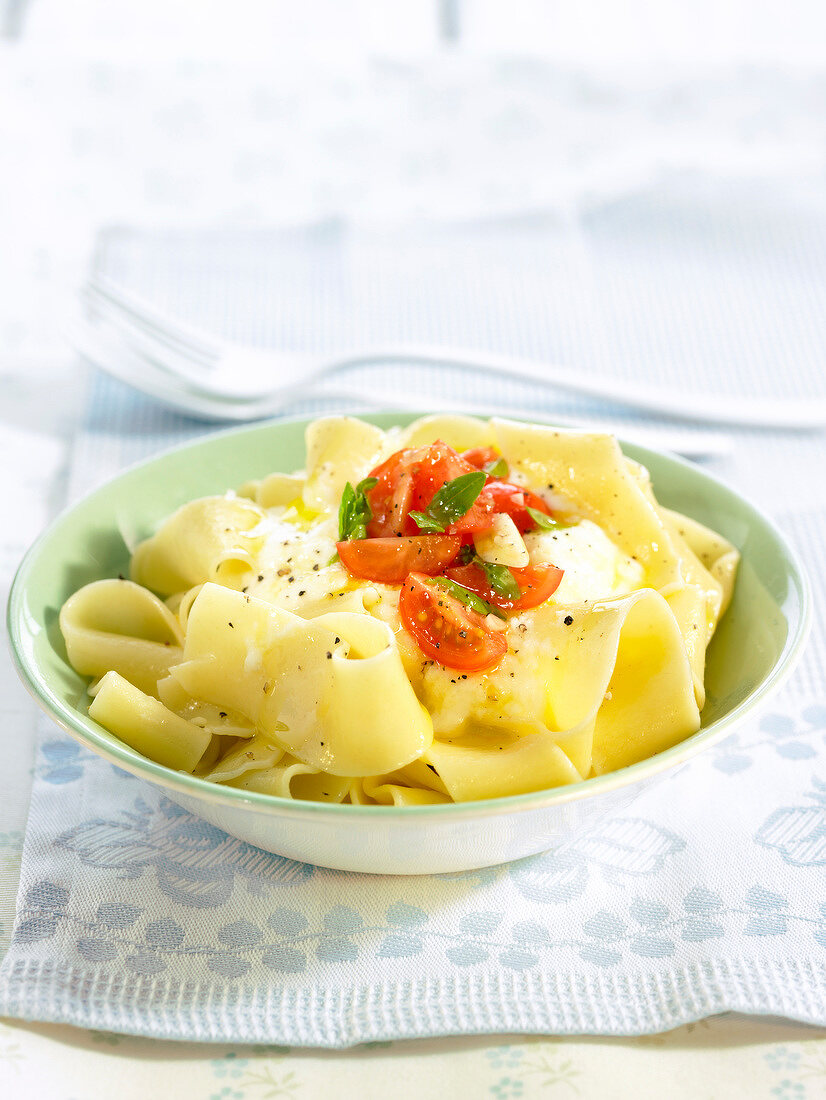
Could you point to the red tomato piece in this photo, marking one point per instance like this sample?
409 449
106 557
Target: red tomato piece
514 500
408 481
536 583
389 560
433 471
391 499
447 631
480 457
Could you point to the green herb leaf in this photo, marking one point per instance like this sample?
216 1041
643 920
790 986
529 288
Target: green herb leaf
345 511
354 512
468 598
500 579
364 486
540 519
543 521
453 500
425 523
497 468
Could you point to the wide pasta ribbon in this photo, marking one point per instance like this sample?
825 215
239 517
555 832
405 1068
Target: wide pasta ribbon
117 625
211 539
331 690
590 470
616 687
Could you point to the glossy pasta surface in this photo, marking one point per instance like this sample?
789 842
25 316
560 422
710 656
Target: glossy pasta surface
242 651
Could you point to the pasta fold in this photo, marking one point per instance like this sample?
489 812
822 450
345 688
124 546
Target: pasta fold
117 625
339 449
212 539
146 725
306 683
591 472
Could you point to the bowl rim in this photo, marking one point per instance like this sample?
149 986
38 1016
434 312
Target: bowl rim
84 730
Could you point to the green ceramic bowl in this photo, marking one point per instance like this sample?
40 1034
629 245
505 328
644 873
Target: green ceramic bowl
754 649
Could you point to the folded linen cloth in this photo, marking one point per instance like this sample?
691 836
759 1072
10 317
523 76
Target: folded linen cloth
707 895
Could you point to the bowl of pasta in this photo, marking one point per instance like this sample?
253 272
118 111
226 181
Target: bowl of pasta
406 645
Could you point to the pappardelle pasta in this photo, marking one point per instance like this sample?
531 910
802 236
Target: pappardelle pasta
455 610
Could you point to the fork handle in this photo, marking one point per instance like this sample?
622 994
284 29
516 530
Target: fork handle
751 412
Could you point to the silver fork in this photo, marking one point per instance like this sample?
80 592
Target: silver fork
261 382
110 353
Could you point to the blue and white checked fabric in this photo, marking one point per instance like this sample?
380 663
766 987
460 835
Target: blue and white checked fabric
708 895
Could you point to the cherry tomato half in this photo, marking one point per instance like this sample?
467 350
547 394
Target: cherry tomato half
515 501
391 499
536 583
389 560
408 481
433 471
480 457
447 631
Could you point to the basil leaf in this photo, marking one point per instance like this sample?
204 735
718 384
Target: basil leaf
354 512
345 511
364 486
545 522
425 523
500 579
453 500
497 468
468 598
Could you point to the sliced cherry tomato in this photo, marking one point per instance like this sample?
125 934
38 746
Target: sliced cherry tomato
447 631
391 499
515 501
408 481
480 457
433 471
389 560
536 583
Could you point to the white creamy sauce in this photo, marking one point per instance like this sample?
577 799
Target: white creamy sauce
293 569
595 568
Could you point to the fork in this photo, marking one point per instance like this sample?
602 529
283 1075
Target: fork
112 355
261 381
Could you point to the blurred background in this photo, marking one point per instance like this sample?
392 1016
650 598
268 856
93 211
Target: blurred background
641 125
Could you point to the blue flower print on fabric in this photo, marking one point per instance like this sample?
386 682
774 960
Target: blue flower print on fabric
195 863
789 738
228 1066
624 848
798 833
789 1090
509 1088
45 904
505 1057
782 1058
408 919
62 761
287 941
